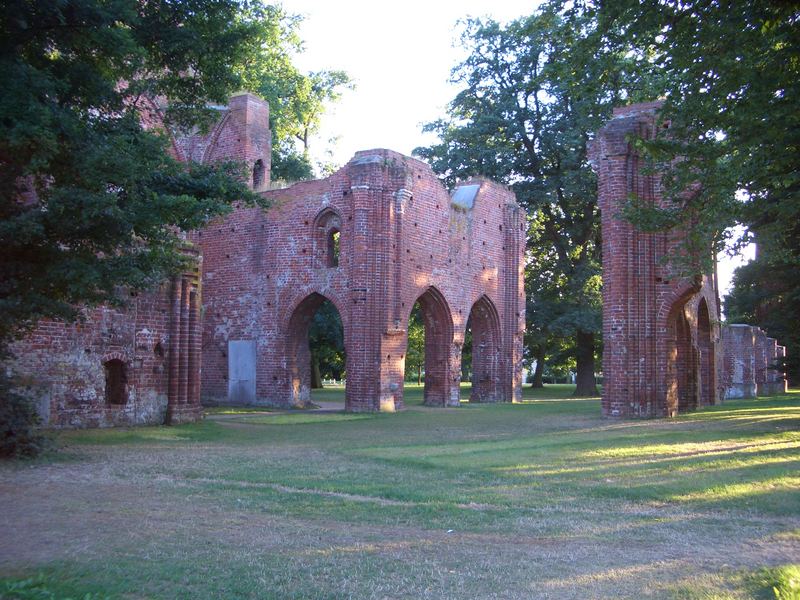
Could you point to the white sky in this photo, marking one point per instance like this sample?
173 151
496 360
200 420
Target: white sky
400 55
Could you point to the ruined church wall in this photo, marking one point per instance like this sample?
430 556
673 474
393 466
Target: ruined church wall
750 361
156 336
61 365
655 363
261 266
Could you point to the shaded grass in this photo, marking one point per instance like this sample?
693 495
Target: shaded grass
376 497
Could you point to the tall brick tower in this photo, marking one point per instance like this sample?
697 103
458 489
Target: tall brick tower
660 331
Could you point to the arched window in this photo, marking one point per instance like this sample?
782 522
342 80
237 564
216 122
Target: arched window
333 248
116 382
258 174
328 226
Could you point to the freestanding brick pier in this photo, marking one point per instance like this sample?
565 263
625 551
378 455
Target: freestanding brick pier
660 331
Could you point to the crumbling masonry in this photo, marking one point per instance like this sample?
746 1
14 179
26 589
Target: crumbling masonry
400 239
664 350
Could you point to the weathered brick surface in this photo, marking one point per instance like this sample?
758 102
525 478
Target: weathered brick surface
264 275
401 241
750 363
63 366
660 331
157 337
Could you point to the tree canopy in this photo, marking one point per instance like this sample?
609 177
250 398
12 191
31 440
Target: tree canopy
731 71
297 100
533 94
89 198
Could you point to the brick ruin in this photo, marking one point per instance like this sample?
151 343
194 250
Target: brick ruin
750 363
660 332
401 239
374 238
119 366
665 351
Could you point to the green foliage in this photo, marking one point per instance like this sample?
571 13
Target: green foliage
783 582
415 348
297 100
20 435
533 93
326 341
765 292
89 199
732 73
732 81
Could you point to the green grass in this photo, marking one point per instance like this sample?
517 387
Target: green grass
542 498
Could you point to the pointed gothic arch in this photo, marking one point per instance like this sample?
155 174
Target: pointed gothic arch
438 322
484 324
298 353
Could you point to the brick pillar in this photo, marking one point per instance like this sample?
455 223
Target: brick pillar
183 344
193 394
185 347
513 302
363 343
393 343
782 383
760 344
174 346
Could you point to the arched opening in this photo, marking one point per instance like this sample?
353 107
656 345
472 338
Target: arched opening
705 347
316 349
430 336
480 355
333 248
681 367
328 225
116 375
259 173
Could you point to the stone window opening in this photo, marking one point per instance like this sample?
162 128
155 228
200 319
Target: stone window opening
333 248
327 245
116 374
258 174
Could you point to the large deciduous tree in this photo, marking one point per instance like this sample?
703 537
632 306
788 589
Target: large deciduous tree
534 92
297 100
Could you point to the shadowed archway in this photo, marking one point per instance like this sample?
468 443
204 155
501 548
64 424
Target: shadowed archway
484 325
705 347
438 324
298 356
681 365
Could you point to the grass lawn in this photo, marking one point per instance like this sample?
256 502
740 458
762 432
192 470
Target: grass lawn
543 499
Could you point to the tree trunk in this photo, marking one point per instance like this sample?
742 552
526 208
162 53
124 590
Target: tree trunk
585 358
537 373
419 375
316 379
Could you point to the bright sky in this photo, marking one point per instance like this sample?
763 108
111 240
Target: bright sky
400 55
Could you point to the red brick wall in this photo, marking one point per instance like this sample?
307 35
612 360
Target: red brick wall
264 274
660 331
400 241
158 335
61 365
749 364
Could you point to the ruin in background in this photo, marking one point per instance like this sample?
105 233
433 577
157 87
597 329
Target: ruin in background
664 349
